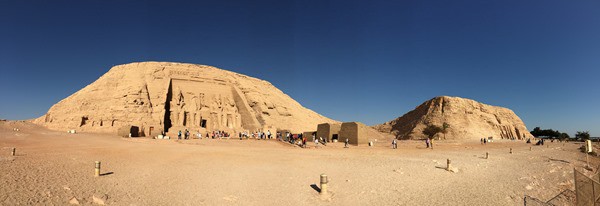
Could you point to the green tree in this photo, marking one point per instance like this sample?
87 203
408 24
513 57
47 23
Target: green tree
431 131
583 135
445 127
563 136
537 132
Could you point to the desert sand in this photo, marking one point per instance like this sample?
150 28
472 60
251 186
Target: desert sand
55 168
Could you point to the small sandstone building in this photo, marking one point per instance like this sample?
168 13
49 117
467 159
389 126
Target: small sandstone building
309 135
329 131
356 133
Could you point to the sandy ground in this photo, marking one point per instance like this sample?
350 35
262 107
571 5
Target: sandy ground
52 168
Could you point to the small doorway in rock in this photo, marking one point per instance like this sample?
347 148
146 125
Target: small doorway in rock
134 131
203 123
334 137
150 131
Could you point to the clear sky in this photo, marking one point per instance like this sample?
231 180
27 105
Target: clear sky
368 61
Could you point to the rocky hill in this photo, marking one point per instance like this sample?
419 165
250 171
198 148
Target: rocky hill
467 119
163 96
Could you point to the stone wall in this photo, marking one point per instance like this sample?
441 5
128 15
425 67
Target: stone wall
358 133
328 130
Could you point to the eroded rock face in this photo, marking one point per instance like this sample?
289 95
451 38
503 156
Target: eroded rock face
164 96
467 119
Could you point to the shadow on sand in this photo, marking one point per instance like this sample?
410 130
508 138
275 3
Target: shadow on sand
440 167
106 174
557 160
316 188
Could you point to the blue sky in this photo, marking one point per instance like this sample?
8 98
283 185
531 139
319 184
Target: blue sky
368 61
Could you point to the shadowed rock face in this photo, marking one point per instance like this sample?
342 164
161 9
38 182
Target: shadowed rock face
467 118
164 96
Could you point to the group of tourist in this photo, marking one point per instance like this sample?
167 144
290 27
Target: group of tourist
185 135
429 143
295 139
258 135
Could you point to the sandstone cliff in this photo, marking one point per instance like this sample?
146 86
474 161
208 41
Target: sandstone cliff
467 118
164 96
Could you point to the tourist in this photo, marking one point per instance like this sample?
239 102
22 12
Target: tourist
481 140
269 134
431 143
346 143
179 135
187 134
427 142
394 144
304 142
316 142
484 141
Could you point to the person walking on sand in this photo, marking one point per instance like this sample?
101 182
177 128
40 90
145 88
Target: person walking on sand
316 142
303 142
394 144
427 142
179 134
346 143
431 143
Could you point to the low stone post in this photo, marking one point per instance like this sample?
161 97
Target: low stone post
529 148
511 150
324 182
97 173
13 152
448 165
487 155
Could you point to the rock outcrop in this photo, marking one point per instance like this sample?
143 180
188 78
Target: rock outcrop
156 97
467 119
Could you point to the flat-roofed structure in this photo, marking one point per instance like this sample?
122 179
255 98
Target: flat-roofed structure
328 131
356 133
309 135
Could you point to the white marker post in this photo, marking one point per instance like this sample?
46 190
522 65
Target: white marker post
588 149
324 182
97 169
